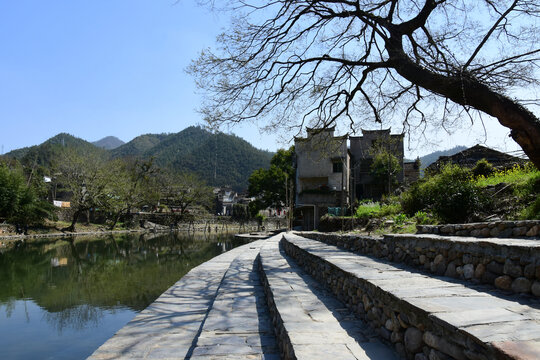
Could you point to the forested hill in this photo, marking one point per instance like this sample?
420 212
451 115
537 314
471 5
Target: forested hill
138 146
109 142
45 153
220 159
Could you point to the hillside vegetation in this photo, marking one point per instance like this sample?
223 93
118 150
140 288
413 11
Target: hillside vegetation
43 156
138 146
109 143
458 195
219 159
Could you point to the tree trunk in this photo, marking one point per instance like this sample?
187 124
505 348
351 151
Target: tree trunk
467 91
71 227
115 220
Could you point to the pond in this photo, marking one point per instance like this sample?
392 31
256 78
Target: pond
62 299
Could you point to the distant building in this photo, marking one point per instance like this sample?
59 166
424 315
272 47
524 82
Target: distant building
469 157
226 197
329 175
411 171
363 150
322 174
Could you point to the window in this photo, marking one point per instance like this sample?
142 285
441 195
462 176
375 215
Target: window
337 167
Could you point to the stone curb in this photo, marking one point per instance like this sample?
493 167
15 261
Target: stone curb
501 229
511 265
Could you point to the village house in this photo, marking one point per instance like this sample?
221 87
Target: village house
226 197
469 157
322 175
363 150
330 176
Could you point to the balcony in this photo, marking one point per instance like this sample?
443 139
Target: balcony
321 197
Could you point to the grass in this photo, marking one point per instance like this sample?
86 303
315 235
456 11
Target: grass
375 209
518 176
368 210
525 182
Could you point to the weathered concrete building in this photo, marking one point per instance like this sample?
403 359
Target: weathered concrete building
329 174
322 174
411 171
363 150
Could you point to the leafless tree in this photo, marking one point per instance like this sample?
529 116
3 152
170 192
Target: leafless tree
287 63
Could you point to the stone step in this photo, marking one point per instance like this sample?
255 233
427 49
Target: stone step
238 324
186 320
512 265
501 229
425 317
311 323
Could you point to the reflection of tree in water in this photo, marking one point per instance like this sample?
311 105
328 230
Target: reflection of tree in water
9 306
76 318
78 279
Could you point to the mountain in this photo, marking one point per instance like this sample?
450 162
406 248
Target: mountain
109 143
220 159
428 159
46 152
138 146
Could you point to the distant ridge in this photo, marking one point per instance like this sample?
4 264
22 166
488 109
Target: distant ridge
44 153
109 143
428 159
138 146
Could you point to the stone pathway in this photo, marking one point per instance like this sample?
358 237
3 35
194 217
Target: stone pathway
169 327
238 324
278 298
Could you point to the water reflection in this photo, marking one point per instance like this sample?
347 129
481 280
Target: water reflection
72 285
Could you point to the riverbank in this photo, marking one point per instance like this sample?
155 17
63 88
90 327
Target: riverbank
15 237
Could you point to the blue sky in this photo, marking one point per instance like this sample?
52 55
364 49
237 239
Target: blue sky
99 68
95 68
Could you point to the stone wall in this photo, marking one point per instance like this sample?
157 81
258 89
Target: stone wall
510 265
409 329
501 229
284 342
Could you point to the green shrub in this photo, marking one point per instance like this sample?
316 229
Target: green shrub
390 209
482 168
450 194
400 219
260 218
367 210
416 198
532 212
421 217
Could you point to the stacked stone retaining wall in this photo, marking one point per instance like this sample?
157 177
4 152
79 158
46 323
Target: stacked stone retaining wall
413 333
511 265
284 342
500 229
